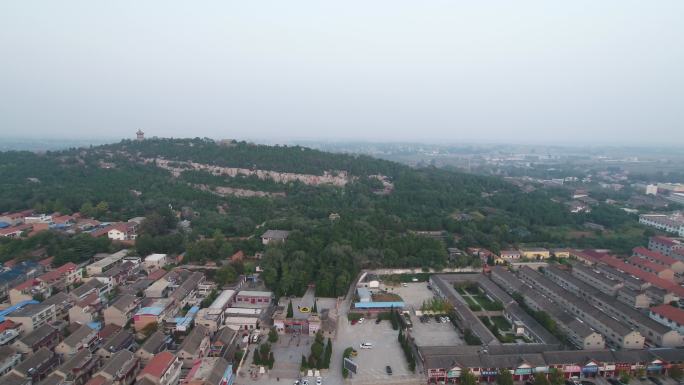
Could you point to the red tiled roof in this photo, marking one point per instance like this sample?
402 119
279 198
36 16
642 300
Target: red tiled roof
664 240
101 232
646 264
58 273
11 263
108 330
8 324
643 275
124 227
47 261
12 230
654 255
27 284
157 274
89 300
158 365
670 312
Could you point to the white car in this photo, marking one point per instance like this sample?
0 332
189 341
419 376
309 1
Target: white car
361 320
305 382
404 284
319 380
367 345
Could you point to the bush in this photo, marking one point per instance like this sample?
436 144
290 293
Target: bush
470 338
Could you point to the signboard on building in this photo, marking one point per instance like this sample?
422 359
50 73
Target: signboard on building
571 368
541 369
523 371
454 373
590 369
350 365
489 373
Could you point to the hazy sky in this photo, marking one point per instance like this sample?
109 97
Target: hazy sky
523 71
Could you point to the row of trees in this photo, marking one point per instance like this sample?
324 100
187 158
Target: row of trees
263 355
408 351
320 355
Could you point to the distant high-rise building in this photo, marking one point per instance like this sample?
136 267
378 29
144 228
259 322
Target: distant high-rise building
652 189
140 135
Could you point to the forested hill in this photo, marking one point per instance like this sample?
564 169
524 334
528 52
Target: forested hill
232 192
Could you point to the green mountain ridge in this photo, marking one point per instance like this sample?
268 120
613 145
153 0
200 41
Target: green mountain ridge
118 181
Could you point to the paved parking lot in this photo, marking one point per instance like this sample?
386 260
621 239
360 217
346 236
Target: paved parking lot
435 334
430 333
372 362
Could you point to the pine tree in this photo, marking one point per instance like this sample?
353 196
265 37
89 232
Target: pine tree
290 311
315 307
328 354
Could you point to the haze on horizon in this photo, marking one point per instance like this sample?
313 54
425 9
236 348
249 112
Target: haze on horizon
451 71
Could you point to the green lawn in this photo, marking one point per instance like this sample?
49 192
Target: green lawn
486 303
502 323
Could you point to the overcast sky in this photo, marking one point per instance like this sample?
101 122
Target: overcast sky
441 71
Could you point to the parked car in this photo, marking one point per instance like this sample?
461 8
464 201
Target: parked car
377 321
296 382
354 322
655 380
305 382
367 345
361 320
613 381
404 284
388 369
319 380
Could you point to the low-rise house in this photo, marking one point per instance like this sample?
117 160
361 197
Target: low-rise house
121 369
28 290
62 277
594 278
159 289
79 368
155 344
33 316
9 358
62 303
154 313
274 236
104 264
155 261
239 318
84 338
86 310
122 310
125 231
661 259
92 286
36 366
535 253
665 245
669 316
163 369
633 298
122 340
187 291
195 346
210 371
253 298
224 344
44 336
651 267
510 255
